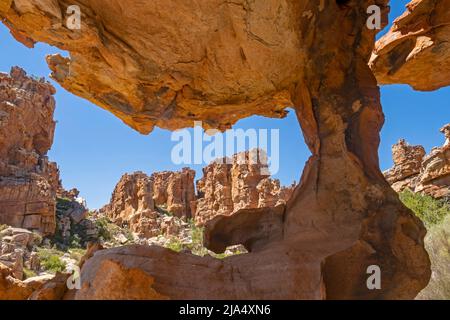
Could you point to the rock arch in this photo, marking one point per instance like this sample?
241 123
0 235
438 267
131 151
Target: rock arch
259 58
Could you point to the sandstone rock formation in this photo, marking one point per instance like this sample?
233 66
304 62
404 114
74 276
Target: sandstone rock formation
10 287
16 253
238 59
428 174
241 182
138 198
224 62
416 50
28 181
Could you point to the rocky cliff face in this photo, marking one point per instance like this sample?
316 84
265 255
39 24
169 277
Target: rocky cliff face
416 50
28 181
428 174
138 199
242 182
239 59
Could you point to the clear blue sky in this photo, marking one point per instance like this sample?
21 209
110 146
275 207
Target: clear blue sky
93 148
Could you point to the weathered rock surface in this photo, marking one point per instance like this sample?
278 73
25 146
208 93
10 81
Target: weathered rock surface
47 287
175 191
428 174
416 51
238 59
10 287
28 181
149 70
242 182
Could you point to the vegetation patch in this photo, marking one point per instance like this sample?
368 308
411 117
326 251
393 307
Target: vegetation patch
51 260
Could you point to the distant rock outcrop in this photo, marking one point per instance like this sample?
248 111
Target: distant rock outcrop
416 50
28 181
413 169
242 182
138 199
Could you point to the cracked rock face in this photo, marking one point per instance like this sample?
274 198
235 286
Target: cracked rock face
138 198
28 181
242 182
219 62
416 51
168 63
428 174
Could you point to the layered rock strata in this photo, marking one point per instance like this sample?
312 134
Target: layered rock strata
28 181
427 174
238 59
139 201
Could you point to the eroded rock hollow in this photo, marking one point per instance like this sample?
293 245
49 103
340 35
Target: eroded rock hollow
168 63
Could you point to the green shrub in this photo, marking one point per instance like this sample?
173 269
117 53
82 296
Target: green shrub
197 247
37 238
431 211
51 261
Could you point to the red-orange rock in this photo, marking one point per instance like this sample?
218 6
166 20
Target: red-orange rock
138 198
416 50
175 191
428 174
28 181
228 59
407 164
